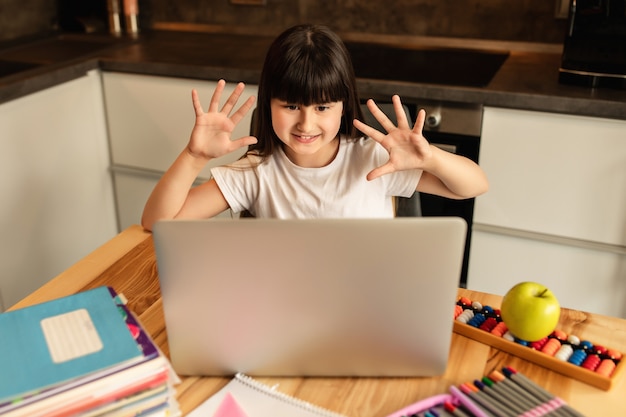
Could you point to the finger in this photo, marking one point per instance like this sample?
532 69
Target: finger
419 121
197 106
233 98
401 119
380 116
242 142
243 110
217 94
368 130
380 171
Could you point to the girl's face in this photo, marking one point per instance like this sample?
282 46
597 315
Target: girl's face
309 133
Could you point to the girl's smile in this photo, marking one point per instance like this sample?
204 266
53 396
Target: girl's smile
305 138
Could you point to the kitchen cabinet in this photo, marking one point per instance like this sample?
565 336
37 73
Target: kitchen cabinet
149 121
57 191
556 209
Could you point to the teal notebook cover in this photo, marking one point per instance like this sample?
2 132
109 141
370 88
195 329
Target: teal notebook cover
60 340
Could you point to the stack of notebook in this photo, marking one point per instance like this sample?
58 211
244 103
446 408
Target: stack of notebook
85 354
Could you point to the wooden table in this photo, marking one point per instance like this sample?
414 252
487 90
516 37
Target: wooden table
127 263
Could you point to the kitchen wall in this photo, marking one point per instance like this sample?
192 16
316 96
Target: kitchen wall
508 20
511 20
22 18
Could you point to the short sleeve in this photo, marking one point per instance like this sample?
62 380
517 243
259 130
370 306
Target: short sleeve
238 183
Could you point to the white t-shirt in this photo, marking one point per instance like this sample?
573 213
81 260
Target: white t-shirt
278 188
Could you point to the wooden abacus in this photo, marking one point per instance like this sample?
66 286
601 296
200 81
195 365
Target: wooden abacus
525 351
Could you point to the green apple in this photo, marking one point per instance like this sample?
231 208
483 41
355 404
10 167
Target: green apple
530 311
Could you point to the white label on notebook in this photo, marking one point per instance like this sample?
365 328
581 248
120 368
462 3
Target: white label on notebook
70 335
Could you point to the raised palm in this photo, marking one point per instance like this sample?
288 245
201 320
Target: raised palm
212 131
408 148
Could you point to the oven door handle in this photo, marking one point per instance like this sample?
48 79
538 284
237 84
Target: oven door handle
445 147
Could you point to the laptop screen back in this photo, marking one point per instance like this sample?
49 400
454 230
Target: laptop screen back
324 297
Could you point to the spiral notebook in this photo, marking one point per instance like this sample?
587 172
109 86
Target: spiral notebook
244 396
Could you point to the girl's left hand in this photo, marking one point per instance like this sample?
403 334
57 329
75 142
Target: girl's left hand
408 148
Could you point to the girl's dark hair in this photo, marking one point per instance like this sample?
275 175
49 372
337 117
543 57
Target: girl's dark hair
306 64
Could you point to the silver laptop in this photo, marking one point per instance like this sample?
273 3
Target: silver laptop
357 297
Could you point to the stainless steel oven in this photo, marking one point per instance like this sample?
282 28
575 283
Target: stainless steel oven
454 127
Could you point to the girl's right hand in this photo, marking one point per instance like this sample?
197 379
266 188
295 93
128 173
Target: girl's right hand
211 134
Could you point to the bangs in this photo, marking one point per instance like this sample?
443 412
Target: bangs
311 78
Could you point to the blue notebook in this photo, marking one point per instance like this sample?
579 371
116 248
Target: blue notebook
58 341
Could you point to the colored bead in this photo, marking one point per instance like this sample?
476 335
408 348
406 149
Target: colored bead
538 344
457 310
465 301
577 357
477 320
564 352
500 329
599 349
586 344
521 342
508 336
614 354
574 340
559 334
489 324
591 362
606 367
488 310
469 313
465 316
551 346
477 306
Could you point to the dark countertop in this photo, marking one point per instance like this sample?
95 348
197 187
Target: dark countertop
528 79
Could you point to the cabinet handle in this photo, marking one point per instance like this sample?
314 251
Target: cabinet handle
548 238
145 173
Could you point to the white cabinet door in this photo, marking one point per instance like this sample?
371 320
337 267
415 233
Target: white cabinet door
557 174
150 119
583 279
132 189
556 208
57 192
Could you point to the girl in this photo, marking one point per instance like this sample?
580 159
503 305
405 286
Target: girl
311 155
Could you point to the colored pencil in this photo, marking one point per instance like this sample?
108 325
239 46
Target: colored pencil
483 399
539 392
454 410
518 402
497 395
472 406
532 402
